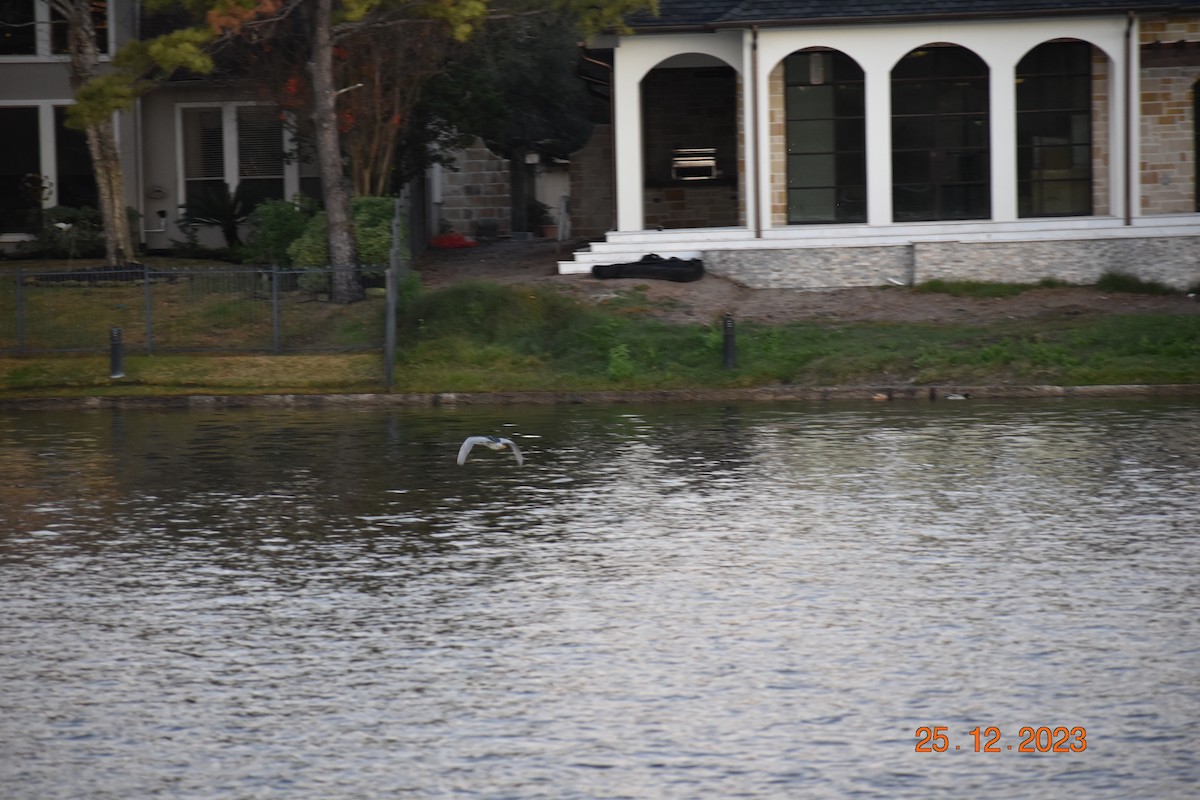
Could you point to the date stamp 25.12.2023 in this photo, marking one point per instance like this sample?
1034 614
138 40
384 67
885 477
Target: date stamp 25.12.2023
1030 739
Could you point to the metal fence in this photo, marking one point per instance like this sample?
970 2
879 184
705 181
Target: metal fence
234 309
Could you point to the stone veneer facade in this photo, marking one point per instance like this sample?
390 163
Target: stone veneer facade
476 189
1167 90
1170 261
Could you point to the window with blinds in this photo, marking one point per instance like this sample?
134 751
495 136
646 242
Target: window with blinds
230 146
260 152
203 153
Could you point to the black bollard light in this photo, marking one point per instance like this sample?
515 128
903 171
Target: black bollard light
116 354
730 341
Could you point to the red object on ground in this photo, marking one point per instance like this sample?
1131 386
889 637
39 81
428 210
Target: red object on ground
449 241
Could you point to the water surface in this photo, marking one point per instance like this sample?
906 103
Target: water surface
690 601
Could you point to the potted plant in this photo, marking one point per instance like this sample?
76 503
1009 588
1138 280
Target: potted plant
540 219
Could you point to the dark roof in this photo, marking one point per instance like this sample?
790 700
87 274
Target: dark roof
732 13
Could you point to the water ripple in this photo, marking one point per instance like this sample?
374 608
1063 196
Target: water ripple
683 602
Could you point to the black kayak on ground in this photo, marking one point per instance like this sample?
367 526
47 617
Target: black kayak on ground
655 267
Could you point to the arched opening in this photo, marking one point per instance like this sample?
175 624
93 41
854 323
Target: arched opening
690 144
1054 130
940 135
824 106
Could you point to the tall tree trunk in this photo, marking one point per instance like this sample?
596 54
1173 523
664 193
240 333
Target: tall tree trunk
342 255
101 135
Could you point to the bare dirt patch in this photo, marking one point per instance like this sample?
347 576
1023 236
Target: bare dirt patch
535 263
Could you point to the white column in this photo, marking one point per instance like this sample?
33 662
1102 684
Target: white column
756 134
229 134
627 144
879 144
1126 123
46 152
1002 115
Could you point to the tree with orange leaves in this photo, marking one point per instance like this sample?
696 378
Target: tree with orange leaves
355 109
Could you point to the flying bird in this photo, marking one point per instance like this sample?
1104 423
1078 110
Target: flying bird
492 443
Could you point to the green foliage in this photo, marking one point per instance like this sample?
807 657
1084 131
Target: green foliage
274 226
222 208
66 233
566 343
974 288
621 366
373 229
372 233
1131 284
136 68
312 248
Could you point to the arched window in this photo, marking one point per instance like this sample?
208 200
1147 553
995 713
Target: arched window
940 138
1054 130
826 138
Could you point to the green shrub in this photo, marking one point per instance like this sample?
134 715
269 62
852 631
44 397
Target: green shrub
67 233
372 235
220 208
274 226
972 288
1130 284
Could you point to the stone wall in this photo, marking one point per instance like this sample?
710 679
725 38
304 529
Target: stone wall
477 189
592 210
1170 70
1169 260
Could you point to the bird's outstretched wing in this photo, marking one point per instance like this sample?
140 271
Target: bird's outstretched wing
470 442
516 451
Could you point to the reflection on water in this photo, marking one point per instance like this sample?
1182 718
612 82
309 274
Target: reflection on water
664 602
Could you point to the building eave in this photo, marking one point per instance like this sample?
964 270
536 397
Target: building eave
894 19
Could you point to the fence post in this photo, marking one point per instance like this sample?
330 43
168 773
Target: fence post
149 311
116 354
730 341
276 329
20 311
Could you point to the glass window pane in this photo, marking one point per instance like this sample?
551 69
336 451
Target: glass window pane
966 165
849 100
1054 151
909 133
810 137
20 171
852 169
912 166
59 31
18 36
912 202
810 102
910 97
852 204
812 205
826 138
256 190
76 177
807 171
203 143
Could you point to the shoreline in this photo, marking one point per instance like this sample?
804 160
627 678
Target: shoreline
927 393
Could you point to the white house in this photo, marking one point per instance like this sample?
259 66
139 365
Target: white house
839 143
